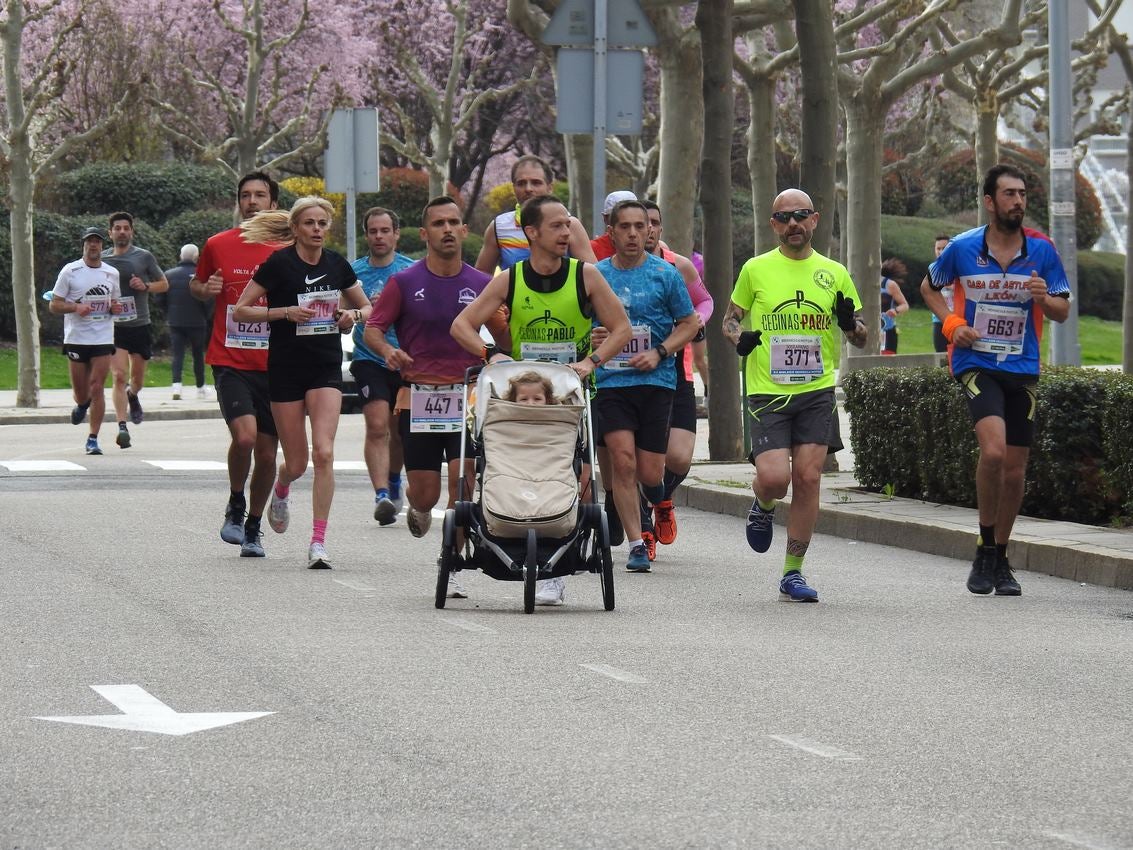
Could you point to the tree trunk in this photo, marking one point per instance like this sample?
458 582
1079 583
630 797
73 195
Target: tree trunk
681 134
761 158
439 162
580 176
864 125
987 141
814 22
1127 304
714 20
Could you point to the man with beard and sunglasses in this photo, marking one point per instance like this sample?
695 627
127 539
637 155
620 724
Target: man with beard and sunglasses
1005 279
798 303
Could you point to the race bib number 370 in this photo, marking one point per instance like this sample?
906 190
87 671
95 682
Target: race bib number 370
323 322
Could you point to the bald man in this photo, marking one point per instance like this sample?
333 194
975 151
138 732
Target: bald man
788 309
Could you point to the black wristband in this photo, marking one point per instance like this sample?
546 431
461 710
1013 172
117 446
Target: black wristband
661 350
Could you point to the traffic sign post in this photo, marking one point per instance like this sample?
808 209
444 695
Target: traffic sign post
352 162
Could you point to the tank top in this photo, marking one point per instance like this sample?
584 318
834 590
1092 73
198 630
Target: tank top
551 325
511 239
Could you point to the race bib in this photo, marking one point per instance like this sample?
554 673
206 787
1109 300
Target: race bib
244 334
1001 329
323 322
438 409
560 352
796 359
639 342
99 307
129 309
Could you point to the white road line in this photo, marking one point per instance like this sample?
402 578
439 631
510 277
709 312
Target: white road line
187 465
615 673
815 748
467 626
354 585
345 465
1090 842
42 466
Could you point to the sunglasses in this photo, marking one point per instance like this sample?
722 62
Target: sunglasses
784 216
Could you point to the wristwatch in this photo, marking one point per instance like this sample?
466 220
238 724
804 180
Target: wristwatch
596 359
661 350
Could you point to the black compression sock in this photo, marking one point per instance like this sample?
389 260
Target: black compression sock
672 482
987 535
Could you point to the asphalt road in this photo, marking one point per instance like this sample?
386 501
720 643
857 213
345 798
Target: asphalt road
900 712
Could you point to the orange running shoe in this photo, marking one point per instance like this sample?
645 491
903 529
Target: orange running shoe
665 521
650 545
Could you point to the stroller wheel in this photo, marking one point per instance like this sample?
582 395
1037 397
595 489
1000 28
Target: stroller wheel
448 552
603 555
530 573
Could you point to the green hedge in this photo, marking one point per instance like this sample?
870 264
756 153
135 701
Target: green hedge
910 429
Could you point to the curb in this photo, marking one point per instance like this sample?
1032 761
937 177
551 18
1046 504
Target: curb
52 417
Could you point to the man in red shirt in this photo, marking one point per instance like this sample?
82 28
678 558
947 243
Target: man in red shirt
602 245
238 354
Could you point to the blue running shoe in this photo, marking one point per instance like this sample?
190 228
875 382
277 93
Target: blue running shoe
638 559
92 446
760 527
252 545
794 587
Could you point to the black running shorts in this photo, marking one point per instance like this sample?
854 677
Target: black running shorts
642 409
243 393
1007 395
375 381
785 421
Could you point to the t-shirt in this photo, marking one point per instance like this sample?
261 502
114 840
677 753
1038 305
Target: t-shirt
290 281
655 297
420 306
79 283
792 303
996 301
373 280
237 345
133 261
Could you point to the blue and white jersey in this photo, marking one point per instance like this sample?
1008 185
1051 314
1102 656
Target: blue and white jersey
373 280
655 297
996 301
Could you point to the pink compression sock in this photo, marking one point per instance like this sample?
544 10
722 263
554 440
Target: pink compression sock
319 534
281 491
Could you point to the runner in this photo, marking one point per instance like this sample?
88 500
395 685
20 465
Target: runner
602 244
420 303
893 303
377 383
798 300
86 295
551 302
238 354
1005 280
939 343
303 284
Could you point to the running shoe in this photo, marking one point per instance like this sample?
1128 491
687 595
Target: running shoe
638 559
279 513
385 511
123 438
665 522
613 521
136 412
981 579
650 544
760 527
455 588
92 446
317 557
252 545
233 529
550 591
794 587
1005 583
78 414
418 521
202 392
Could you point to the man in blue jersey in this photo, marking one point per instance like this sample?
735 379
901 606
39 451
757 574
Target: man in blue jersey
1005 281
636 386
377 383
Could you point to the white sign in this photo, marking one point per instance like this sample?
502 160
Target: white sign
1062 208
1062 158
143 712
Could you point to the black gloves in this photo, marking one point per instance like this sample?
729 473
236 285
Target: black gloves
748 341
844 312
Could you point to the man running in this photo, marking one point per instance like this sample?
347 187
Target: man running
139 277
238 354
377 383
798 301
602 244
420 303
505 242
1004 281
939 343
636 386
551 303
86 295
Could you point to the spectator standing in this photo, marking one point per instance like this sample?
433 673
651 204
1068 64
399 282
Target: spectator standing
188 320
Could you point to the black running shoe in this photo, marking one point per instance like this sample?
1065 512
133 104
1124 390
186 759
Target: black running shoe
613 521
981 579
123 438
136 413
1005 584
79 413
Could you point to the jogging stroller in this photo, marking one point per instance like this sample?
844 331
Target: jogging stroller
525 520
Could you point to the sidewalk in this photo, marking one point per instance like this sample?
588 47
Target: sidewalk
1083 553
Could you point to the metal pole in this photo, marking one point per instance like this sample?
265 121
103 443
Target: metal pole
1064 348
351 224
599 197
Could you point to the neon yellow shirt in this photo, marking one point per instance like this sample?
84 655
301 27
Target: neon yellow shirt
792 303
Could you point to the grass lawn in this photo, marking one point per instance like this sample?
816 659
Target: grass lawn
55 375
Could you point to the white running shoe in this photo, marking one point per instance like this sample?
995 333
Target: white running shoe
550 591
279 513
418 521
202 392
317 557
455 588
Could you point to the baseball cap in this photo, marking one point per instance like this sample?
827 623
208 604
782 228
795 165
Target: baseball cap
93 231
615 198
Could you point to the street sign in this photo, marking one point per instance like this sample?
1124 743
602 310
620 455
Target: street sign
143 712
352 151
624 76
573 24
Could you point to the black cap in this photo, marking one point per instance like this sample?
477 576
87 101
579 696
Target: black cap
93 231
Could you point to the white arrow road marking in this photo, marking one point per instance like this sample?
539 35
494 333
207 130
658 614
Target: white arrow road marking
354 585
615 673
468 626
815 748
187 465
143 712
42 466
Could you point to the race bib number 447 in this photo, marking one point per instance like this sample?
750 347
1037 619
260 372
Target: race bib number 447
436 409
